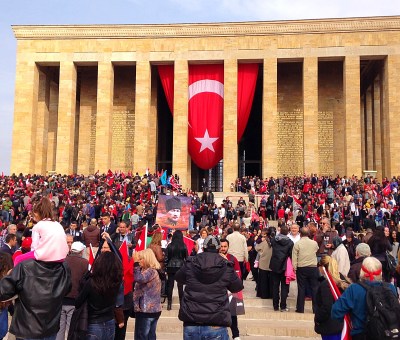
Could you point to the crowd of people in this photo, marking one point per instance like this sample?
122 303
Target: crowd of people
291 228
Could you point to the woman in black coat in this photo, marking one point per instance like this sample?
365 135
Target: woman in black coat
324 324
176 256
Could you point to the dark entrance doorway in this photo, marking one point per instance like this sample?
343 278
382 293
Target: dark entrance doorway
250 146
165 130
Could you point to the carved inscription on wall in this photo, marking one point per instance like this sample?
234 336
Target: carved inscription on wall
123 132
325 142
290 143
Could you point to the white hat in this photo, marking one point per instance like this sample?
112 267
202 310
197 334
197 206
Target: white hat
77 247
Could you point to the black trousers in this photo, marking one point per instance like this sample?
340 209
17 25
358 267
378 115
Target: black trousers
170 287
234 327
121 332
306 277
279 281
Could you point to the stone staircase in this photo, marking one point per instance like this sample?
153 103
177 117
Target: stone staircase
259 322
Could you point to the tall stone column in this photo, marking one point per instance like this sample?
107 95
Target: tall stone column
142 117
42 123
377 128
363 132
105 94
230 172
310 100
25 112
269 119
181 161
391 106
369 152
52 133
351 88
66 118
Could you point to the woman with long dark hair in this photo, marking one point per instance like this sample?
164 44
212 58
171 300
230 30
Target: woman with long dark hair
100 292
379 243
176 255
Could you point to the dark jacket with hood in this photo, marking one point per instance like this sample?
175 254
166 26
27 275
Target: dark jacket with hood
91 235
207 276
282 247
41 287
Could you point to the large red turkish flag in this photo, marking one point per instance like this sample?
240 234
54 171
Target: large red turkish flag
206 114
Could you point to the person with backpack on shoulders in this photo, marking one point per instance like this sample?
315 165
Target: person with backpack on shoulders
358 300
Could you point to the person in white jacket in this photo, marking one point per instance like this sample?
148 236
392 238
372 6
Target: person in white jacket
341 255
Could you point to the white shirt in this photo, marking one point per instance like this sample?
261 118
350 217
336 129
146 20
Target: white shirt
294 238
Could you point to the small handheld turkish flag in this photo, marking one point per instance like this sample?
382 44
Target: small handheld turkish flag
141 243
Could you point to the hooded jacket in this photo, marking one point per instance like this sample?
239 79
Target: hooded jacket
282 247
41 287
208 277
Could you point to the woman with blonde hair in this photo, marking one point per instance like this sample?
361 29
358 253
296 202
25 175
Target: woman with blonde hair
146 296
353 300
199 243
155 246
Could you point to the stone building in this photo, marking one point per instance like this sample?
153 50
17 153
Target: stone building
89 98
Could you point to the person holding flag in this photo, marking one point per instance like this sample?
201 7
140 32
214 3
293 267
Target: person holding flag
330 282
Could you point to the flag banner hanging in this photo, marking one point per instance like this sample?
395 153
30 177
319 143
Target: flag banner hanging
166 73
247 79
173 212
206 114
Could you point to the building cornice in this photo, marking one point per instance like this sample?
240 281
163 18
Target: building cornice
153 31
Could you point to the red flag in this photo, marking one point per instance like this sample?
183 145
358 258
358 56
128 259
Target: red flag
189 244
2 174
110 173
205 119
91 257
125 185
386 191
336 294
141 243
164 232
127 268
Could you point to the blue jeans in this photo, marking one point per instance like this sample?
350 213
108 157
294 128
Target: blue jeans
205 333
145 328
52 337
101 331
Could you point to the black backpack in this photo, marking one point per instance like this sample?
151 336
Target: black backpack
383 312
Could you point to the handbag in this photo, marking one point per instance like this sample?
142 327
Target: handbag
391 263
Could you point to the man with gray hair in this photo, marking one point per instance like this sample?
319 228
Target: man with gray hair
362 251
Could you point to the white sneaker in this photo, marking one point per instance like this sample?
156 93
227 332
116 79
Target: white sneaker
237 338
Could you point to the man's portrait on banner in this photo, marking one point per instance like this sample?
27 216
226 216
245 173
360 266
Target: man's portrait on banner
173 212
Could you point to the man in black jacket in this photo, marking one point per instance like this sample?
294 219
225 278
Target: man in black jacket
282 247
205 306
41 288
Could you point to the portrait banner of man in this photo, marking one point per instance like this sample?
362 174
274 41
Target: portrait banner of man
173 212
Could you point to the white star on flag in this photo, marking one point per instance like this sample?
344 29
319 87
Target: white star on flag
139 242
206 142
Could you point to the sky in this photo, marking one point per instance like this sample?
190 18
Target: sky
61 12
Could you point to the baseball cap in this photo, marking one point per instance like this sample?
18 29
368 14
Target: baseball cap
77 247
211 242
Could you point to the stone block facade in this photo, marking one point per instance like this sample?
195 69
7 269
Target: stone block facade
86 96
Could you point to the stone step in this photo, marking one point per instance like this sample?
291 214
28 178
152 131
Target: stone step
256 313
173 336
254 327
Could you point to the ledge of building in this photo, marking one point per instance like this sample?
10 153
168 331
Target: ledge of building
312 26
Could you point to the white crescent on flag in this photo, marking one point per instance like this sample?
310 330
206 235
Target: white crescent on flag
206 85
